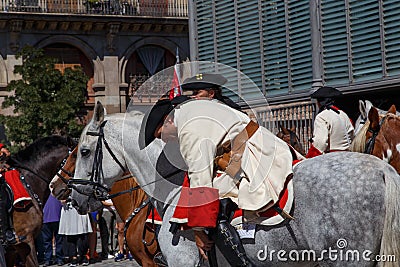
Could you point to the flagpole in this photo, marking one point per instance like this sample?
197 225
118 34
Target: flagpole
176 89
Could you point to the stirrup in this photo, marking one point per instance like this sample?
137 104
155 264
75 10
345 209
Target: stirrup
160 260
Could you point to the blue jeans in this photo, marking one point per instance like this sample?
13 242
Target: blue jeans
48 231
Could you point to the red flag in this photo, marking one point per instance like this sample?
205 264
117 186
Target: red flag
176 89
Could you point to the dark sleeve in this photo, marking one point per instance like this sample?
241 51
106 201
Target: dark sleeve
227 101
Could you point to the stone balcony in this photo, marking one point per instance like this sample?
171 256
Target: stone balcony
146 8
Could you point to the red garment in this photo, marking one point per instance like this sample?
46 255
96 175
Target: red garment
313 152
154 217
197 207
21 196
204 207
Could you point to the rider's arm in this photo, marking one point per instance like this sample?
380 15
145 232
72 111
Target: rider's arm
320 137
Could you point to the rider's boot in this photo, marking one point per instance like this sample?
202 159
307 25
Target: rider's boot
159 258
226 237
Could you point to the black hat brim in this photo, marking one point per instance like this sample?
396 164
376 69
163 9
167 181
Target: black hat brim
152 120
204 81
326 92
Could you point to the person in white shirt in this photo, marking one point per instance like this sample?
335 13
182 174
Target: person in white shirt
333 130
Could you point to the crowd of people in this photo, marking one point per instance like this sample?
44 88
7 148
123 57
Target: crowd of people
70 238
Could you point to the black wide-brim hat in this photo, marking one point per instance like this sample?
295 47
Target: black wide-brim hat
326 92
152 120
204 81
155 117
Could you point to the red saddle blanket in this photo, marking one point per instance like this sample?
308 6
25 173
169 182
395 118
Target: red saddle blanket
21 195
268 217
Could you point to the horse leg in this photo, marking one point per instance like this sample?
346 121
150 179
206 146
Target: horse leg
10 256
27 252
179 250
31 259
135 244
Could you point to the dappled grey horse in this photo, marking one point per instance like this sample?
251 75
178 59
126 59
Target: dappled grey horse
346 209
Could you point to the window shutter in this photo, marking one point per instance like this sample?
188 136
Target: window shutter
300 45
275 52
226 40
226 44
205 30
365 40
391 15
249 47
334 40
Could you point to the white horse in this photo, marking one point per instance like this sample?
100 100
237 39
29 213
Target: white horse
347 205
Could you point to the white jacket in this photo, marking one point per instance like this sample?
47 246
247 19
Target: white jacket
266 161
332 131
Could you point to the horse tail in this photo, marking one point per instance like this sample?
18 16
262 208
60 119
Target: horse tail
390 244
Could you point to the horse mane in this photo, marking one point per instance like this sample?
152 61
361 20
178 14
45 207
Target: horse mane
358 144
40 148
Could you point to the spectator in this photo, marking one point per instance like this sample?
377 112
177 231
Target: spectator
75 227
120 255
51 222
104 233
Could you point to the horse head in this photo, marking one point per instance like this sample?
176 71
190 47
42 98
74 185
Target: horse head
291 138
59 184
380 136
98 162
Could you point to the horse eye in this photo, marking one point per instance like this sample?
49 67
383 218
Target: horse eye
85 152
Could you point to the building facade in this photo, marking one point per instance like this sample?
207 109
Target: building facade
288 48
119 44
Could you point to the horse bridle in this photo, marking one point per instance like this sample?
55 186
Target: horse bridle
25 183
100 191
369 146
292 136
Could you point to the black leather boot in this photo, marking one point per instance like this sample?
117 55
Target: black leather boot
7 234
160 260
226 237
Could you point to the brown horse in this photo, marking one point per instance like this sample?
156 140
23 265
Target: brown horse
125 204
38 164
290 137
380 136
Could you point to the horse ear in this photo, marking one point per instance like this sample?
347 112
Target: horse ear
284 130
392 109
373 117
362 107
71 143
98 115
293 129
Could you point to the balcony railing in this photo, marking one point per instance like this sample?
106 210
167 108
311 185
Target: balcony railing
152 8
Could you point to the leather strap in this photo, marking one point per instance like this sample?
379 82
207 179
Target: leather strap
229 154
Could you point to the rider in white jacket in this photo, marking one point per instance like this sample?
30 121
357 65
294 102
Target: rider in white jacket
333 130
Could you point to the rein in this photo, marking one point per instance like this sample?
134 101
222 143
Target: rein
100 191
25 183
292 137
97 176
369 147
